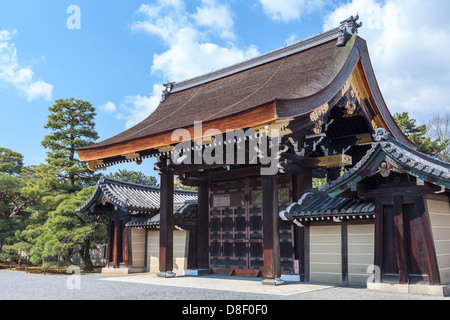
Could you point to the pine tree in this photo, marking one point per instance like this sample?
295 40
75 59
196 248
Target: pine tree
418 135
71 122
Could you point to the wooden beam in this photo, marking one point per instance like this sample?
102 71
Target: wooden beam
271 236
166 225
333 161
353 140
400 240
250 118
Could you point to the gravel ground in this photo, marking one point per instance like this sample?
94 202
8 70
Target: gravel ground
16 285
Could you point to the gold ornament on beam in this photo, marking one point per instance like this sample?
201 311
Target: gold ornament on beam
317 117
376 123
92 165
350 105
166 148
274 129
131 156
334 161
204 141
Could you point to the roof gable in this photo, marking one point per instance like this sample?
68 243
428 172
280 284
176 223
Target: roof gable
388 154
131 197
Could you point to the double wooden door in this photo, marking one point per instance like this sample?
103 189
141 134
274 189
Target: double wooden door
236 225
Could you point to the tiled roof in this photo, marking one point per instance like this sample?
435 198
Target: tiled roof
132 197
401 157
320 206
152 220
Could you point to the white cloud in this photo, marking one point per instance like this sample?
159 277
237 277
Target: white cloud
408 43
108 107
190 50
140 107
290 10
291 39
216 16
23 79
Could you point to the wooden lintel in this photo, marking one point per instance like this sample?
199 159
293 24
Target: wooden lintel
224 174
365 191
333 161
353 140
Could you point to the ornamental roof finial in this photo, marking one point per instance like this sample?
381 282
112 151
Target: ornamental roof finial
167 89
348 28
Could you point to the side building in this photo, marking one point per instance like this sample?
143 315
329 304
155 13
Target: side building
133 212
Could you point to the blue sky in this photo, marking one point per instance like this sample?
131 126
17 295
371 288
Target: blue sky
125 50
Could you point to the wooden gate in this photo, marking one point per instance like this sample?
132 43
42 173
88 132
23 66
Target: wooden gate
236 235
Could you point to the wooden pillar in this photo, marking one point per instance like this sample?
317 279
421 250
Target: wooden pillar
379 235
203 226
166 225
116 243
344 252
400 241
301 184
109 243
271 236
430 253
126 252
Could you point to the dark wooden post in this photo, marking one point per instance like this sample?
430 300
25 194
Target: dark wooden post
379 235
425 230
271 236
302 184
116 243
125 246
400 241
166 225
344 252
109 243
203 226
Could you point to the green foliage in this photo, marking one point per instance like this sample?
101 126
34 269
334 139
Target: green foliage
67 232
10 162
18 193
55 230
134 177
9 228
418 135
71 122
